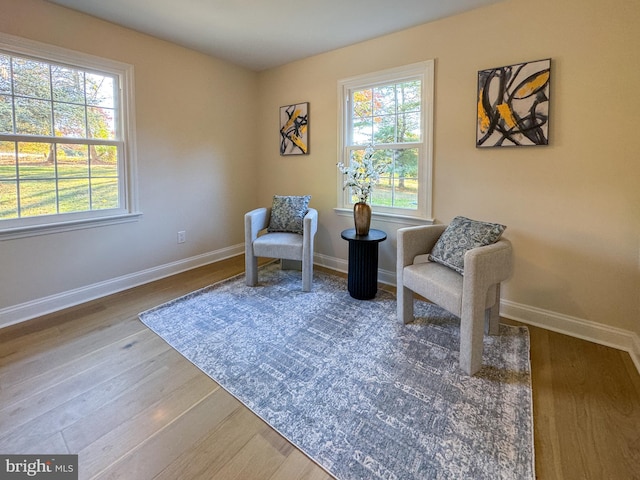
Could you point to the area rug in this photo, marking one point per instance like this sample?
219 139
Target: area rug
362 395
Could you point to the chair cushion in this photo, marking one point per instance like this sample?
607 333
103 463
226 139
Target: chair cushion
279 245
461 235
437 283
287 213
440 285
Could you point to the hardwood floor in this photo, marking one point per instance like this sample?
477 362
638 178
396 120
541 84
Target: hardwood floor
93 380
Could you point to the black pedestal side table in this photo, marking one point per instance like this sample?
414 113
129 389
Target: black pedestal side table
362 279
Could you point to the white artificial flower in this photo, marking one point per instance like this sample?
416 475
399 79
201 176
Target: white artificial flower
362 175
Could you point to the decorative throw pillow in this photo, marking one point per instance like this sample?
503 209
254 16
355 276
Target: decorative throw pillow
287 213
463 234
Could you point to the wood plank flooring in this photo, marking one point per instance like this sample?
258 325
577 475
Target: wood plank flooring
93 380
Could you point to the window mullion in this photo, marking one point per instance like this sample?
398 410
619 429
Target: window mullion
89 179
13 96
53 147
395 109
17 166
86 106
53 113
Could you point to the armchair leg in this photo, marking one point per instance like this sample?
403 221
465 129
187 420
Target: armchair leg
492 320
307 270
492 315
251 270
405 304
307 276
471 345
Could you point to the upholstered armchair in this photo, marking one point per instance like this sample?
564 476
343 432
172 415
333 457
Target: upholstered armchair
460 268
290 230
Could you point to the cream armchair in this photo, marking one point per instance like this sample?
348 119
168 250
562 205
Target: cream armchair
283 245
473 296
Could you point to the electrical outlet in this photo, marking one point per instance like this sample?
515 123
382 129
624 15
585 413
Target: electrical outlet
182 236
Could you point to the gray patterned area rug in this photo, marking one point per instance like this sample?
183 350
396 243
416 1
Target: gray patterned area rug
362 395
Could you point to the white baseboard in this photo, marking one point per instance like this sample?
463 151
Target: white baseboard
384 276
42 306
575 327
624 340
333 263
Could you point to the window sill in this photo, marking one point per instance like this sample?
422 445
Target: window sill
46 229
388 217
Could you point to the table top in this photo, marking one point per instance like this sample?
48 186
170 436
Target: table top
374 235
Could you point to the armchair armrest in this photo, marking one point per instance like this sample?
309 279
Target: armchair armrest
414 241
255 221
310 222
489 265
309 229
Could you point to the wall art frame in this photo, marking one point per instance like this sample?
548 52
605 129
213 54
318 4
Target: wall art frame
294 129
513 105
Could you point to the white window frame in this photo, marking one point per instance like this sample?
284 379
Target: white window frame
425 72
125 115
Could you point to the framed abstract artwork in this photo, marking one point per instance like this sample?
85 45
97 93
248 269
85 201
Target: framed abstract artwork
513 105
294 129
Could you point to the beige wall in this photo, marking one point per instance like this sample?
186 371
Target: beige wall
572 208
193 117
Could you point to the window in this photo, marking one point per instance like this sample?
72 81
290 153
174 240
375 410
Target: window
66 150
390 112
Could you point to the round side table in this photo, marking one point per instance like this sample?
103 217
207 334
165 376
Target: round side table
362 279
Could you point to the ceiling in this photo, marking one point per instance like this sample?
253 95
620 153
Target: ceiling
260 34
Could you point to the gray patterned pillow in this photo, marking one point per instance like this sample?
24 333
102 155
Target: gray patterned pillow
287 213
463 234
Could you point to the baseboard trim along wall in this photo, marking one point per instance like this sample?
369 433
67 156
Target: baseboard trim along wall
576 327
42 306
